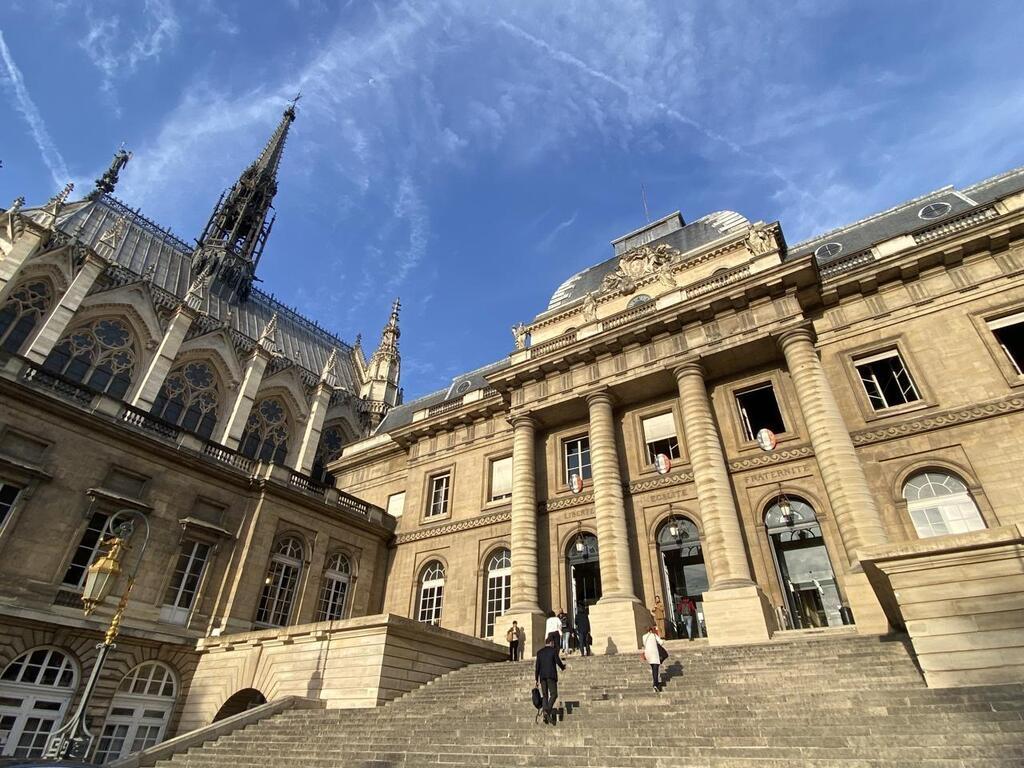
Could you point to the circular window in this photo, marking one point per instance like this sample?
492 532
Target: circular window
828 250
934 210
463 388
640 298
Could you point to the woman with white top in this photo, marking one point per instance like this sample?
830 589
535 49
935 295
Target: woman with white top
652 645
553 626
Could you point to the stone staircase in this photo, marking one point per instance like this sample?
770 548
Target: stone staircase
846 701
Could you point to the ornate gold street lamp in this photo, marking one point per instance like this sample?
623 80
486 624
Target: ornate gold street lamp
73 739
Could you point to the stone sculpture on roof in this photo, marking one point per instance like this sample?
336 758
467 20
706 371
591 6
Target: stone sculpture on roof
760 240
638 264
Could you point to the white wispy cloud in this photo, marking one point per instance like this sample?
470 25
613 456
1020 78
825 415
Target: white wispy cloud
546 241
51 155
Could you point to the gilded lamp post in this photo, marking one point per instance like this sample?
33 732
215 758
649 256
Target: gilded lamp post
73 739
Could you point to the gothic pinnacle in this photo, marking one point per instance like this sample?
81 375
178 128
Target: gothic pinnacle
108 181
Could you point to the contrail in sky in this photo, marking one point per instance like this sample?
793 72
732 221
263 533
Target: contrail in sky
51 155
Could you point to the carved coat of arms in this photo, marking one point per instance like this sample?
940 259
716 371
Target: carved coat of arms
639 263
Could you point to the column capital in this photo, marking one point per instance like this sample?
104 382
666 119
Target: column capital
603 395
803 333
523 421
690 368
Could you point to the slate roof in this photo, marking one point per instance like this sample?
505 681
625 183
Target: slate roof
905 217
146 246
697 233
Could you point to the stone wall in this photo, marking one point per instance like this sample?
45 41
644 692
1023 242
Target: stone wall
360 662
961 600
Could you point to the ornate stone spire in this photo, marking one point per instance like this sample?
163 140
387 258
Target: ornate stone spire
268 339
232 243
194 297
106 183
381 384
388 347
328 376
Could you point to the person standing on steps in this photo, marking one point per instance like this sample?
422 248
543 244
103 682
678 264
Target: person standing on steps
512 638
686 609
658 613
521 637
553 626
566 631
653 648
545 673
583 629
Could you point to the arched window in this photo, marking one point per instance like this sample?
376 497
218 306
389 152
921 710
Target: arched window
265 437
431 593
336 580
279 587
18 317
332 440
35 690
498 594
189 398
939 503
100 355
138 712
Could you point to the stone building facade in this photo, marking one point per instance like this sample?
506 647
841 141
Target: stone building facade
761 437
713 414
138 373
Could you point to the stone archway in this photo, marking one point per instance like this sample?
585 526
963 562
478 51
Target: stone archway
238 702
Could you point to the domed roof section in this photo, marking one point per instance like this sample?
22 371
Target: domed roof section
670 230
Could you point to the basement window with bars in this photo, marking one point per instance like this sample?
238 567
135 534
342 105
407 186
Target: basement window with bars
660 436
1009 332
886 380
759 409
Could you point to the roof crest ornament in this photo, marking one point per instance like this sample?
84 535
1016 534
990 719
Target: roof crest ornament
108 181
12 215
268 339
55 203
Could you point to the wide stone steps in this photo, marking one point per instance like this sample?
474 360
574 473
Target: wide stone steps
849 702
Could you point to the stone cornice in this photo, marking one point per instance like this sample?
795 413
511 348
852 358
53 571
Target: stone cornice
455 527
964 415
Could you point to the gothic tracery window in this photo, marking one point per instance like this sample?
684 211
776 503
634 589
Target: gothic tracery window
265 437
331 443
100 355
189 398
22 311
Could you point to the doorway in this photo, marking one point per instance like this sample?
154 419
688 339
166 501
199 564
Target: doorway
803 565
584 572
684 577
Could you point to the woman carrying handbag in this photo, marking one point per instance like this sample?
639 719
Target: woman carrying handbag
654 653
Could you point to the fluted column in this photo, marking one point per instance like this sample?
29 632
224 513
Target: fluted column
609 505
525 597
723 539
856 513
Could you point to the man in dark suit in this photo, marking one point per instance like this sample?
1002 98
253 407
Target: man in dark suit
546 674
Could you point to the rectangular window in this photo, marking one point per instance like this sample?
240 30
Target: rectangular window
87 551
396 504
759 409
501 478
660 436
577 458
439 490
188 572
8 495
1009 332
886 380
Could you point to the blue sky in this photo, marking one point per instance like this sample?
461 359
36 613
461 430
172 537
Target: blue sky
469 155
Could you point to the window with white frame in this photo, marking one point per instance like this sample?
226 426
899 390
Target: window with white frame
188 573
35 691
431 593
576 455
396 504
939 503
88 550
1009 332
660 436
280 584
440 488
886 380
8 495
138 712
337 576
759 409
501 479
498 595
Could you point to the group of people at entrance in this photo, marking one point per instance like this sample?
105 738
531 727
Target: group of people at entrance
686 623
559 628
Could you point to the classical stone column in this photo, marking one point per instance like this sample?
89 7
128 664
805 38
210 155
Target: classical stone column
61 315
609 504
735 609
853 505
618 620
525 603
